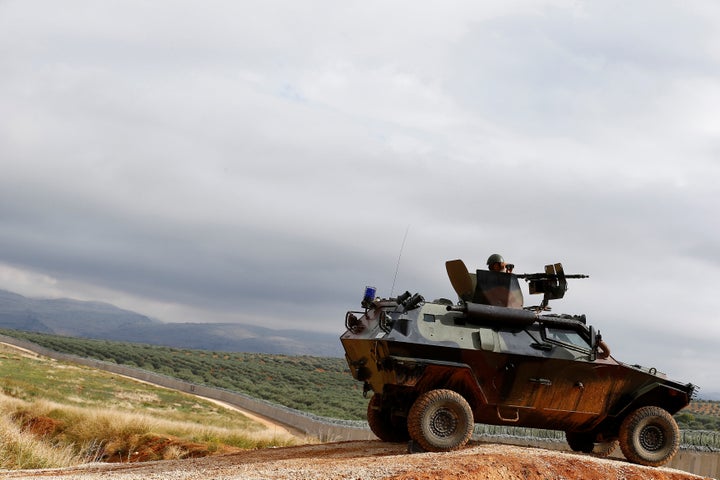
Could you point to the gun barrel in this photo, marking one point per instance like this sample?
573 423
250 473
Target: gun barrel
549 276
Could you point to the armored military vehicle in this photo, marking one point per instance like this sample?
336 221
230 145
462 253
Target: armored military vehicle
434 369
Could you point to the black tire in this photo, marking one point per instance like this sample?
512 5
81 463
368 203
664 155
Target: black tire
585 442
649 436
440 421
387 427
605 449
580 441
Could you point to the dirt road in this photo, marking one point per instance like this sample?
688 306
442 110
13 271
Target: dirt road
370 460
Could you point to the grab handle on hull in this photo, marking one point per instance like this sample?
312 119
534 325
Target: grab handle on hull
513 420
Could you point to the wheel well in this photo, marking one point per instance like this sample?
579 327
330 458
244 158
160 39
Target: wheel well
661 396
459 379
400 398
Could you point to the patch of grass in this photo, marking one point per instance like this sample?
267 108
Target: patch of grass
54 415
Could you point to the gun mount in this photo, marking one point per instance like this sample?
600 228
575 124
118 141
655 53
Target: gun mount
552 283
502 289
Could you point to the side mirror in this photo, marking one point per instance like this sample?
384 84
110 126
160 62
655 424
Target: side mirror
593 343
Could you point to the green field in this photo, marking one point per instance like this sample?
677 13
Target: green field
318 385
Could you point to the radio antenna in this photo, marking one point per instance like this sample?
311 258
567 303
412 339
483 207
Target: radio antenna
397 267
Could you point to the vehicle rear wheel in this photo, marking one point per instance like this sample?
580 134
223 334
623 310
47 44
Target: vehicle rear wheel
440 420
387 427
580 441
649 436
605 449
585 442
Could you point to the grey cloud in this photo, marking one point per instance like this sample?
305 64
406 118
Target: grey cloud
262 161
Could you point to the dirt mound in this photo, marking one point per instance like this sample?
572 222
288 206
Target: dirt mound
373 460
146 448
124 449
39 426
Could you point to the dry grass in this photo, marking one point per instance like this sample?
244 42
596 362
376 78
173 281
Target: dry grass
19 449
45 434
41 429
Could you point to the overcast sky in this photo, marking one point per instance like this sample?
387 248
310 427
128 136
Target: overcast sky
262 161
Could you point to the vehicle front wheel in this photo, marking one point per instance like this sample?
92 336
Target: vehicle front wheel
386 426
649 436
440 420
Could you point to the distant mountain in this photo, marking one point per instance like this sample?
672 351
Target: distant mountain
97 320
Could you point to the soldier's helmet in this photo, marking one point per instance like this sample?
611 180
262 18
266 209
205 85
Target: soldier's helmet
495 258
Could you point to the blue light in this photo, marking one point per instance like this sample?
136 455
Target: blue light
369 295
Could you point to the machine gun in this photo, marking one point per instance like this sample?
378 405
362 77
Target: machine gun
552 284
502 289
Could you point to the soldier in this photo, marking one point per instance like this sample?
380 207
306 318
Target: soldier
496 263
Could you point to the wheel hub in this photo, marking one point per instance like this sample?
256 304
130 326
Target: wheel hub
652 438
443 423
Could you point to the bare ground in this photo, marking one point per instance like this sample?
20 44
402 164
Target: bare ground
371 460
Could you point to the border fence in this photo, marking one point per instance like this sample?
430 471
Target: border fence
700 440
698 453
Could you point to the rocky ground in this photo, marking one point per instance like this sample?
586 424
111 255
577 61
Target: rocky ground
370 460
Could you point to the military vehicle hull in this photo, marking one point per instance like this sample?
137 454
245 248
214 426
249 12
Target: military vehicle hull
435 367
